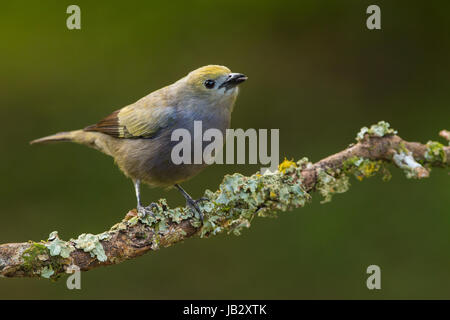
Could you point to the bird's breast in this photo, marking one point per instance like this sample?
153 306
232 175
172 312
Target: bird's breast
151 160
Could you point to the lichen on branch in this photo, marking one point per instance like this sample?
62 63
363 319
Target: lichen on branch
238 200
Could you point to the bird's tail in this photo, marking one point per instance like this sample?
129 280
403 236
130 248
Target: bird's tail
61 136
94 140
72 136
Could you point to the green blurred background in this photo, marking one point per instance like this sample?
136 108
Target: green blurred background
315 72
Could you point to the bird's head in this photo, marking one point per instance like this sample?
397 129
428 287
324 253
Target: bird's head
214 82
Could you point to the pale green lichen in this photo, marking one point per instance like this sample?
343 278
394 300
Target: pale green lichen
47 272
91 243
328 185
240 198
380 129
161 217
58 247
435 152
87 242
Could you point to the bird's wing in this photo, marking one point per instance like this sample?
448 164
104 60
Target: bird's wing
139 120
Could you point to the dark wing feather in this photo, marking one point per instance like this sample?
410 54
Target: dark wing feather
109 125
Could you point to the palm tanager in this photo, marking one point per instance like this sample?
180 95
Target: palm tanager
138 136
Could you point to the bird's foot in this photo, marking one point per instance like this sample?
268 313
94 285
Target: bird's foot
144 211
193 204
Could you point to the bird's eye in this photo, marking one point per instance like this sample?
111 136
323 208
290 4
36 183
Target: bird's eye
209 83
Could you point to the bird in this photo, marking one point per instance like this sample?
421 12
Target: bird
138 136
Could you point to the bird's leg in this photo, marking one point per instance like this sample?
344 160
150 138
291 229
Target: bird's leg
141 209
191 203
137 184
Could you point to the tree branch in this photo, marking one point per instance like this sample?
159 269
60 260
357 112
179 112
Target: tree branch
232 207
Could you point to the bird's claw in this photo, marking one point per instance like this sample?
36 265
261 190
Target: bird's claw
202 199
144 211
193 204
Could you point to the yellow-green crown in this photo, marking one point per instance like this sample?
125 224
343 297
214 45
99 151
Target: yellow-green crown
209 72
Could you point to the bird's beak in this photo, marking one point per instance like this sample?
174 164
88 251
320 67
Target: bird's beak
233 80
